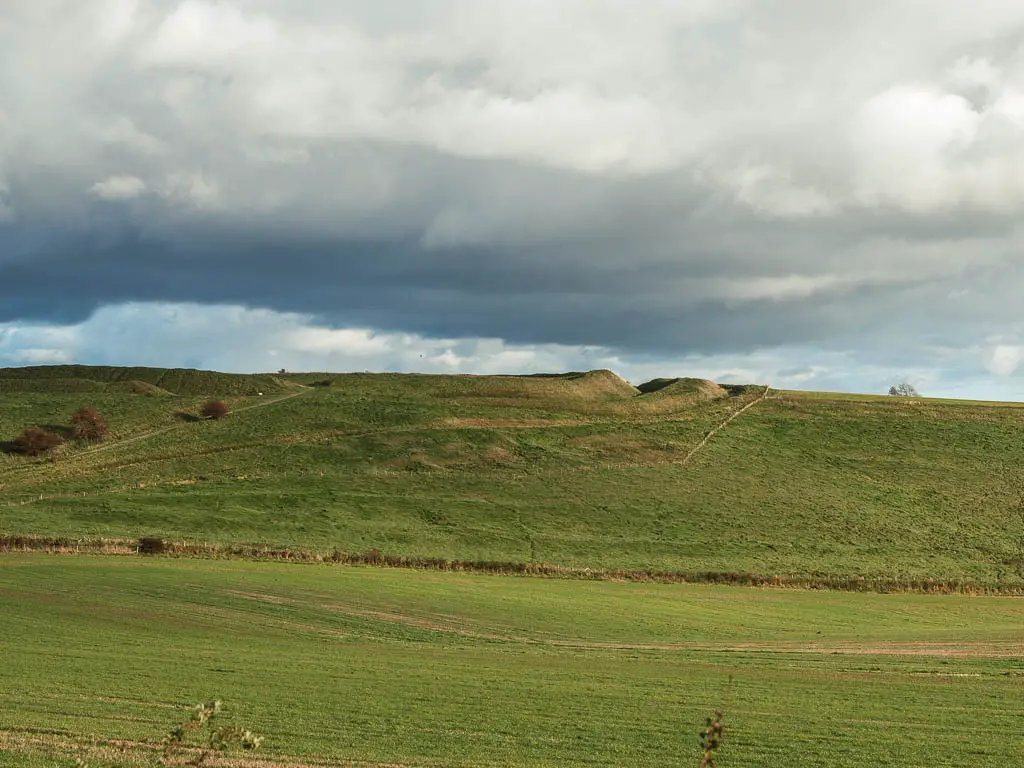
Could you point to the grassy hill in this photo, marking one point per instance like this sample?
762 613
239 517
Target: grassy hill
579 470
342 666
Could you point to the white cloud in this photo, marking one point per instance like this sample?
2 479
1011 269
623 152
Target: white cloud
116 19
192 189
234 338
906 137
780 288
1004 359
773 192
118 188
608 88
210 34
40 356
355 342
571 171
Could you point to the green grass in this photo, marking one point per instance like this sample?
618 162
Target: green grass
369 666
864 398
376 666
578 471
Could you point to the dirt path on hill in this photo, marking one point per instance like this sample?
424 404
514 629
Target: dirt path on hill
162 430
153 433
136 438
693 451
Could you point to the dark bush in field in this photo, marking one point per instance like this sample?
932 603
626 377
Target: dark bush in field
214 409
322 383
151 545
34 441
88 424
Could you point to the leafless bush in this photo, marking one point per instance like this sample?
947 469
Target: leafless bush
88 424
904 389
214 409
34 441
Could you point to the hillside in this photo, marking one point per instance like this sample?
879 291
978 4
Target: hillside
579 470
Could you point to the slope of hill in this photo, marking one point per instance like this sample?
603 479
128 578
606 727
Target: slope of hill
574 470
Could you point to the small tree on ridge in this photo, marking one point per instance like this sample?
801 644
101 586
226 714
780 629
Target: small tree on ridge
903 389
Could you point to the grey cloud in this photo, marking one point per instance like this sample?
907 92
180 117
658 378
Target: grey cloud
653 179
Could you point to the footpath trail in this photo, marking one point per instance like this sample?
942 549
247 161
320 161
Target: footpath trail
90 452
162 430
696 449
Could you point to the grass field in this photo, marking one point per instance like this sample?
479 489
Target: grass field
365 666
355 666
579 470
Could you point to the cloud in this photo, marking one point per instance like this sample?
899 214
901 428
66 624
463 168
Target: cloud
676 180
236 338
201 35
118 188
1004 359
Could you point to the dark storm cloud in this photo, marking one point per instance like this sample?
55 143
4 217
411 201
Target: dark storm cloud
665 179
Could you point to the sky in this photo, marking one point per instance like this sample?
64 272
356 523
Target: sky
812 195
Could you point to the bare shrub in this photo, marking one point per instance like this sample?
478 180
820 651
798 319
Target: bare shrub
210 740
34 441
904 389
214 409
152 545
88 424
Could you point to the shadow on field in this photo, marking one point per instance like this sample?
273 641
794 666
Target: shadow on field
187 417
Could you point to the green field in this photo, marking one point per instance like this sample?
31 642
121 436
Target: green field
366 666
624 488
580 471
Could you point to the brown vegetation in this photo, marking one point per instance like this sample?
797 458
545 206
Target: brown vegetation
711 740
214 409
34 441
88 424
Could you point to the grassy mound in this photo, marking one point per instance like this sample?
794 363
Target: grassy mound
684 387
